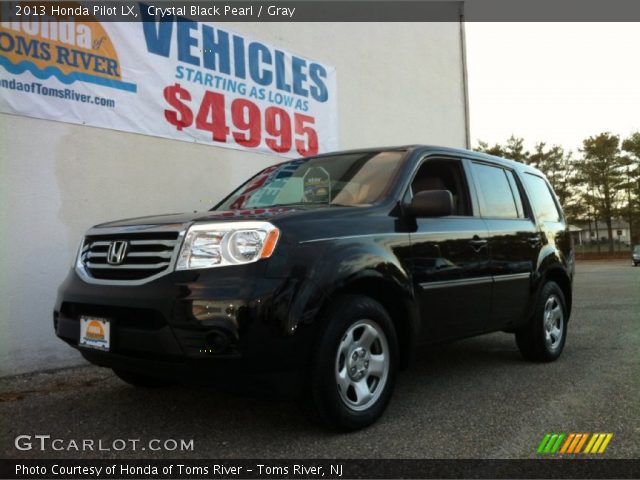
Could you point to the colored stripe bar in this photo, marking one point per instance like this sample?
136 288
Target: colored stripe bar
572 443
551 443
543 443
555 448
591 442
577 438
567 443
606 441
599 440
582 441
598 443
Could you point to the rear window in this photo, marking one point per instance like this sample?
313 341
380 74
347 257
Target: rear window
541 198
495 193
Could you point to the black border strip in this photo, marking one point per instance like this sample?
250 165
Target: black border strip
556 467
366 10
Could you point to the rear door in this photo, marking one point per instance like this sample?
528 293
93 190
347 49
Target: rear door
514 241
449 260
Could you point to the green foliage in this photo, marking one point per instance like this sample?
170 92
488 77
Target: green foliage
601 170
601 183
513 149
631 184
495 150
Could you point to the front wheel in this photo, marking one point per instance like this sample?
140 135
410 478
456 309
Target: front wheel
543 338
354 366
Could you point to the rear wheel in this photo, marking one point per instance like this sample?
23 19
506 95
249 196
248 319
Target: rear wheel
354 366
140 380
543 338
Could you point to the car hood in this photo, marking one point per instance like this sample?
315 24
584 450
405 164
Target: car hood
175 220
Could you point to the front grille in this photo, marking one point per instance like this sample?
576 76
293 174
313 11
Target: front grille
146 255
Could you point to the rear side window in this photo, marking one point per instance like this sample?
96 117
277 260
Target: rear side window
495 193
540 196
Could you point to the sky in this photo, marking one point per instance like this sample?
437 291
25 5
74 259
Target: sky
554 82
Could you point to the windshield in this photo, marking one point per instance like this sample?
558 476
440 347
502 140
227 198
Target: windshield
349 179
636 249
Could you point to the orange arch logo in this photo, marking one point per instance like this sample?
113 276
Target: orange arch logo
94 331
63 48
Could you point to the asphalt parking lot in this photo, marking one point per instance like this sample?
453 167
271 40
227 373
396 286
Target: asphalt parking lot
473 399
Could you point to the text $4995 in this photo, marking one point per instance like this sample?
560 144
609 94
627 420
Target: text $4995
247 121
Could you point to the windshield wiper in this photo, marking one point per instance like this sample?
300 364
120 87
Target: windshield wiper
285 205
310 204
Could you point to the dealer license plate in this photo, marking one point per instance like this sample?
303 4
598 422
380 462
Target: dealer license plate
95 332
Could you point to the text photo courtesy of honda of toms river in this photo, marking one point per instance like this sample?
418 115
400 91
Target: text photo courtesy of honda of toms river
329 271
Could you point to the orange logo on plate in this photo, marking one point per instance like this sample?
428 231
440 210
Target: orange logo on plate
95 331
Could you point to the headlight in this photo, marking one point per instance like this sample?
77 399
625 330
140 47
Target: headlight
208 245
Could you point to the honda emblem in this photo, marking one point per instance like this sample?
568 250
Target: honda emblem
117 252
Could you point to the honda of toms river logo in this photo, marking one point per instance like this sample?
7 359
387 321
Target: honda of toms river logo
95 331
71 51
572 443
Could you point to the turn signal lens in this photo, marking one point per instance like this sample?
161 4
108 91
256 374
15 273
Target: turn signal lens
270 243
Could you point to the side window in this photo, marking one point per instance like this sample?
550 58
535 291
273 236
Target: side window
540 196
516 193
437 174
496 195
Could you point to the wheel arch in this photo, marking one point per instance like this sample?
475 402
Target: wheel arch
396 301
558 275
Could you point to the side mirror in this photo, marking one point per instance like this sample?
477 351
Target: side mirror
431 203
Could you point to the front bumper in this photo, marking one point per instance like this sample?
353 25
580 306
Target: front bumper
154 329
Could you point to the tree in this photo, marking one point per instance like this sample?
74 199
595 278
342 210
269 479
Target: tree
513 149
631 164
557 166
602 170
485 148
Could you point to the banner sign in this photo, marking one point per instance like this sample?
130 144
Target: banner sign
170 77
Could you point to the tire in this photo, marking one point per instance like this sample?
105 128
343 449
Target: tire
140 380
543 338
346 392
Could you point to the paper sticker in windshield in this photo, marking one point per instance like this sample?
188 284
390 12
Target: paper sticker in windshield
317 185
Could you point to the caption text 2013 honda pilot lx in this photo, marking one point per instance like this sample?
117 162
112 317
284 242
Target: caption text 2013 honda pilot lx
333 269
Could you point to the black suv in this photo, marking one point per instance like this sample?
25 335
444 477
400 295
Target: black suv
331 269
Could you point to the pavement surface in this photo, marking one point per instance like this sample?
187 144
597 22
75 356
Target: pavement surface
472 399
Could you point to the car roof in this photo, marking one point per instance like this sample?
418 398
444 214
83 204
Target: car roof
435 149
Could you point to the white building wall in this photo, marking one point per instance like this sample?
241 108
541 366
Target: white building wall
397 84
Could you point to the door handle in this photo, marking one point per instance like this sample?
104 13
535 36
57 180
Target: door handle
477 243
534 241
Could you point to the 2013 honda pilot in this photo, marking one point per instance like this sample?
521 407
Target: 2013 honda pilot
332 269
